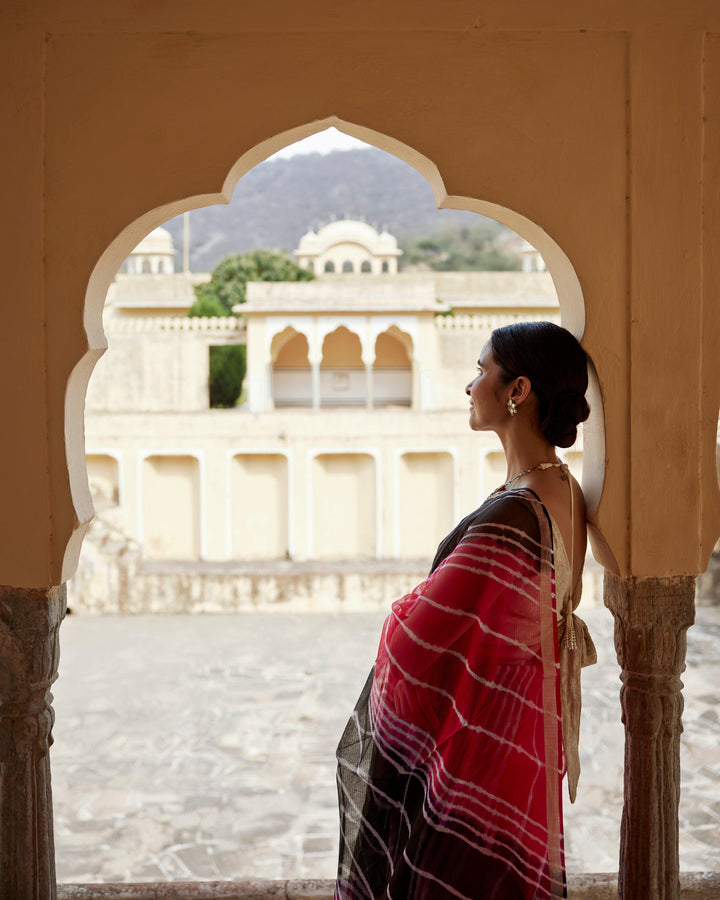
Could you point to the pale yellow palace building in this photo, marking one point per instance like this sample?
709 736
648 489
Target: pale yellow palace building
350 458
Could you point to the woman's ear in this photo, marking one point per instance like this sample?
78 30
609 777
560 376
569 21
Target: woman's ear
521 389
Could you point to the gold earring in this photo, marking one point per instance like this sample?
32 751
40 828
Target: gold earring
511 406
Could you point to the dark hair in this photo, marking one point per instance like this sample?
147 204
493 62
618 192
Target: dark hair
556 365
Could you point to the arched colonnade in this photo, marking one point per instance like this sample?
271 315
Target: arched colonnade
347 362
584 129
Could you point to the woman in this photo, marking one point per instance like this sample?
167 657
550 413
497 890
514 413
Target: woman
449 770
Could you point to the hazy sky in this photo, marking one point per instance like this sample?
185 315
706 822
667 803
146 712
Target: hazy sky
322 142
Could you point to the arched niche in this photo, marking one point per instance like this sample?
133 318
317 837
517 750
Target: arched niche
393 347
341 348
572 307
104 478
291 374
289 349
342 376
392 368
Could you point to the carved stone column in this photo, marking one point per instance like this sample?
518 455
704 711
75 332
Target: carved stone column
315 383
369 386
652 616
29 623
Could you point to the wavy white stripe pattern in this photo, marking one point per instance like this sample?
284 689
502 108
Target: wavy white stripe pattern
449 770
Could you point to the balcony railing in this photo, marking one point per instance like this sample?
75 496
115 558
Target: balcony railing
344 386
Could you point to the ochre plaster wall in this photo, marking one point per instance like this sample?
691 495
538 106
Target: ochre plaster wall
586 122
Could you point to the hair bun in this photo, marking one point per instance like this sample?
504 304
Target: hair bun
565 411
570 404
557 368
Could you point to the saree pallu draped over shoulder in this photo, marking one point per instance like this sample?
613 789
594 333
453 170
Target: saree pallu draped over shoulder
450 768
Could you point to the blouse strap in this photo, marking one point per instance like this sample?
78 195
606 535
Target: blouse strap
572 526
570 637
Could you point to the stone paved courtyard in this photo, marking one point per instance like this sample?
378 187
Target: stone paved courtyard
203 747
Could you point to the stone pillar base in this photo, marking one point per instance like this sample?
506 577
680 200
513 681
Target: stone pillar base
652 616
708 584
29 623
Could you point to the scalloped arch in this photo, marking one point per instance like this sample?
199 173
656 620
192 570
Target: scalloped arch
572 306
402 337
281 339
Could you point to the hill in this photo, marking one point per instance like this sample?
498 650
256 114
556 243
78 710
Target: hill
280 199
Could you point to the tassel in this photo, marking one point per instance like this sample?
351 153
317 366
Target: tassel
570 638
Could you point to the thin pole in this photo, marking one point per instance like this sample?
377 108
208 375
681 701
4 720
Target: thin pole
186 242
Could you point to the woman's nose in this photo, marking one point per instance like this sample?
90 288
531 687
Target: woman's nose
467 388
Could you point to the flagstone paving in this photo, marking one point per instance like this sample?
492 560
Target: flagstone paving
203 747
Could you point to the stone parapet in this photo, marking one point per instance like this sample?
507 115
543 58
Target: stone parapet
211 324
358 294
114 579
693 886
123 584
491 321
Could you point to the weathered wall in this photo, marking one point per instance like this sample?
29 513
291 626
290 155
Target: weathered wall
314 501
157 364
586 124
694 886
113 579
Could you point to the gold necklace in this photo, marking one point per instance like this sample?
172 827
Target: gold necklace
538 468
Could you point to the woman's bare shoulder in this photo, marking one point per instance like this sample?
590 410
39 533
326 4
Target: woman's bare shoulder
555 497
552 489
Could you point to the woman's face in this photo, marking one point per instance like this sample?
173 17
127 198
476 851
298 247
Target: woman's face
487 393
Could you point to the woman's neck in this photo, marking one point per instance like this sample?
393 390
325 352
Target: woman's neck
524 449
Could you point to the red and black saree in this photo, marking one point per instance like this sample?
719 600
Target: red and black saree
450 768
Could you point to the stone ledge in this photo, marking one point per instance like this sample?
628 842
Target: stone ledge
693 886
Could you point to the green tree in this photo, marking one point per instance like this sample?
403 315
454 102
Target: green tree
227 371
209 307
217 297
227 284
